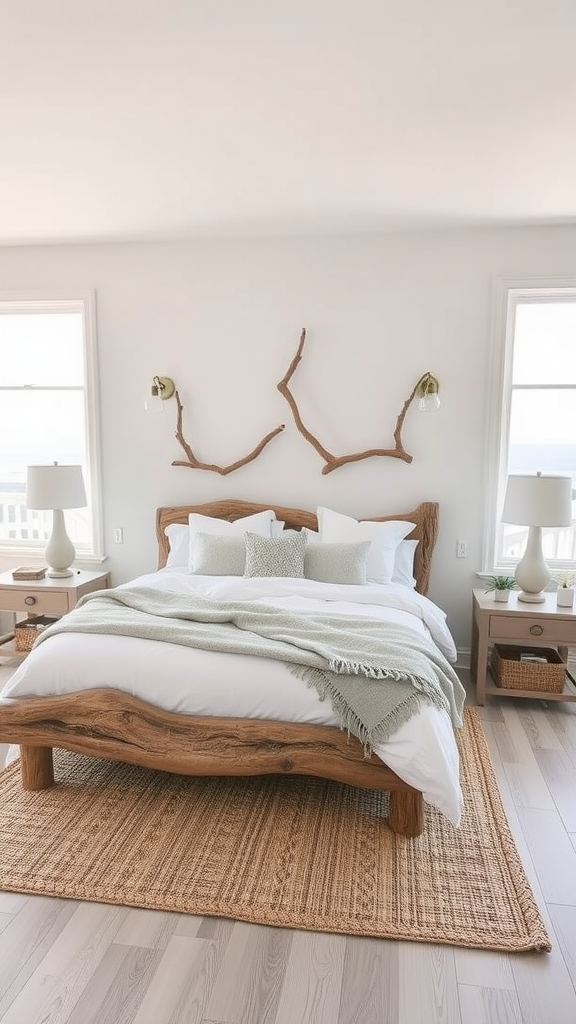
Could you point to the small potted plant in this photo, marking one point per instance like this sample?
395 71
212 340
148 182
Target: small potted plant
501 585
565 592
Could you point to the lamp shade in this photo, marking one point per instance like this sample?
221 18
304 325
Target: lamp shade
538 500
52 487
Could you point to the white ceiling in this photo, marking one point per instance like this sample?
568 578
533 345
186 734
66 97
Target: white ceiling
168 119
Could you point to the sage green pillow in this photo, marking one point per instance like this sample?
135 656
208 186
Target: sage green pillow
218 555
337 563
275 556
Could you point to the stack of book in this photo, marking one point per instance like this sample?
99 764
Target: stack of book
29 572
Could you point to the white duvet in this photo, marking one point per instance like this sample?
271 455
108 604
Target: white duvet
423 751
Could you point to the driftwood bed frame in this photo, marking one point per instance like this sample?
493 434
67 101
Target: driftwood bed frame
111 724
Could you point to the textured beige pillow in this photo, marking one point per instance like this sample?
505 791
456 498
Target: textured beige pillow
275 556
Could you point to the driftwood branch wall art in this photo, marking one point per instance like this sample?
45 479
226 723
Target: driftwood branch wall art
332 462
427 387
193 463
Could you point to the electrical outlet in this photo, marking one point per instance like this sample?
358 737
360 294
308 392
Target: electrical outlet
461 549
118 535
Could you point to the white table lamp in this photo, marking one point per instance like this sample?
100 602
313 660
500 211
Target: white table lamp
56 487
536 501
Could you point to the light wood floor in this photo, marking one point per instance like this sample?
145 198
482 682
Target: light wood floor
63 962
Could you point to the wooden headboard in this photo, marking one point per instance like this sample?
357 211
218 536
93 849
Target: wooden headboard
425 516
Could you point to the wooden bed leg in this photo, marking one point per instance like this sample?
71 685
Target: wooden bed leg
37 767
406 813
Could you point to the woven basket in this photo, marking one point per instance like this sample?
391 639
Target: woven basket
513 674
28 630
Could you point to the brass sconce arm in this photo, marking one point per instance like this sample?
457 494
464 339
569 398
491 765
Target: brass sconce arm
162 387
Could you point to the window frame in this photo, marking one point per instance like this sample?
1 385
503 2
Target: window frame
507 294
84 302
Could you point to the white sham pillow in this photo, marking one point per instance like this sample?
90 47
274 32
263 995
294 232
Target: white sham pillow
179 539
384 539
260 523
404 563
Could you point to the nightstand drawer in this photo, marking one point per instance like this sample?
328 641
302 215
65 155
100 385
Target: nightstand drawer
36 602
516 627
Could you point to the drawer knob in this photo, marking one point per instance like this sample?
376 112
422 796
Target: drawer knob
536 630
30 600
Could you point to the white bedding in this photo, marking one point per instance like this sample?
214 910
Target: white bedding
423 752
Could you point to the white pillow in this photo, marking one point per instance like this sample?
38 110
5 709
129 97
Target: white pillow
179 540
260 523
404 563
384 539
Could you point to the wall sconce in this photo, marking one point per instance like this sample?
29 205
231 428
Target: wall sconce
162 389
427 391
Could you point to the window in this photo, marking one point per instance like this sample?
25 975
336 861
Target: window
534 427
48 413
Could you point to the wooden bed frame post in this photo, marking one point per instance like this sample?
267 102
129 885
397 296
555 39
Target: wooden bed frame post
406 816
37 767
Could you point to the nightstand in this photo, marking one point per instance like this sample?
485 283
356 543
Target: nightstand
52 597
522 624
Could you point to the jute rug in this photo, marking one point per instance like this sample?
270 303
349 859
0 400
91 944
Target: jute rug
297 852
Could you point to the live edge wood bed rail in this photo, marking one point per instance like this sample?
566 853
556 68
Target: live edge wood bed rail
111 724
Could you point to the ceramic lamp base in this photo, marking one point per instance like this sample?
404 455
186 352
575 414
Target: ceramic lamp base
60 551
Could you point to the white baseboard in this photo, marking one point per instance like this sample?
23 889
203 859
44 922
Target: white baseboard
463 657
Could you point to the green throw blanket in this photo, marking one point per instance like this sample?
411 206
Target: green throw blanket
376 674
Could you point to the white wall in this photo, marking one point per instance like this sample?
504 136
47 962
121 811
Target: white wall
223 319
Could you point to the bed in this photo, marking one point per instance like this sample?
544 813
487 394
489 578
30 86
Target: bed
100 695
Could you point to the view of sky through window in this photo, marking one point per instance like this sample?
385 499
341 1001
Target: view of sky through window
42 413
543 410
